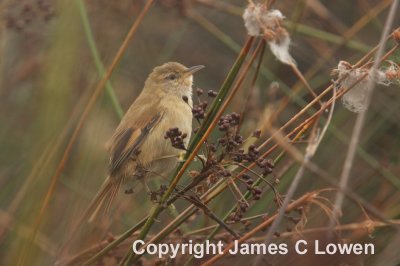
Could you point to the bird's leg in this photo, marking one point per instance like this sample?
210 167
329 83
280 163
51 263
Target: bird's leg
146 186
140 175
181 157
129 190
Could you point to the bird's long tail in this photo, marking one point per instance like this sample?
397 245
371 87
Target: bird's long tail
100 203
102 200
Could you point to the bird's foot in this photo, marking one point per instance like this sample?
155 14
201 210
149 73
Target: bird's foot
181 156
129 191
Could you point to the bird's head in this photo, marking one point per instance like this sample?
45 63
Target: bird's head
173 78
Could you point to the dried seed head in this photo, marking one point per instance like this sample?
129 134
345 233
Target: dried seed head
193 173
258 19
222 141
257 133
212 179
280 48
270 163
243 206
212 147
358 81
198 112
257 191
245 177
392 73
212 93
267 171
19 17
225 173
199 91
176 137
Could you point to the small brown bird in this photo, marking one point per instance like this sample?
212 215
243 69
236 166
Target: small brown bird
138 148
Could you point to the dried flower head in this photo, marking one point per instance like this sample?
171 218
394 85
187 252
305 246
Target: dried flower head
259 21
392 73
360 80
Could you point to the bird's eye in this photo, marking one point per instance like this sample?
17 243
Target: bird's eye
171 77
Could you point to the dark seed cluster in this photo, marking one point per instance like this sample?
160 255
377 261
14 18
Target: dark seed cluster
176 137
239 212
265 165
227 150
212 93
255 192
252 153
225 173
231 140
228 121
20 15
241 206
199 110
294 218
199 92
257 134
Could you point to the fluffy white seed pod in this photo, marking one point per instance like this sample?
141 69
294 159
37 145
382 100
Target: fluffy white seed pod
280 48
257 19
354 99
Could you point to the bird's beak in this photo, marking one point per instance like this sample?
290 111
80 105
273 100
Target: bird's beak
193 69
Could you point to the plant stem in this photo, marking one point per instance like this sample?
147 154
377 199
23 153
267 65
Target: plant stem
96 58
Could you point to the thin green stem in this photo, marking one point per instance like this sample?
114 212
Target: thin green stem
96 58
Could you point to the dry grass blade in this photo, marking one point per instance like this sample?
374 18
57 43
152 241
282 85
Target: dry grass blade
290 193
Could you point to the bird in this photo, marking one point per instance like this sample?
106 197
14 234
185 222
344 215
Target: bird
138 148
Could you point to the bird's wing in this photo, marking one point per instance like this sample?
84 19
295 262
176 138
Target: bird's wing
133 130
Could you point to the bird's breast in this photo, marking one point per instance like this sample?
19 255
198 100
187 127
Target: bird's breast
176 113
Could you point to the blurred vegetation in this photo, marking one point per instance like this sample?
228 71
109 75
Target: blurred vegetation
53 54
